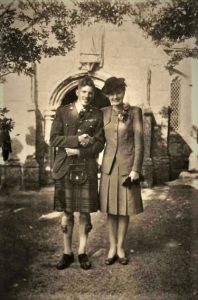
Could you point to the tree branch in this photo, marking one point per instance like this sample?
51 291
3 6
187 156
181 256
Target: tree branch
7 8
1 76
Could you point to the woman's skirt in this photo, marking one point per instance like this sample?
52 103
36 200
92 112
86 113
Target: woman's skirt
71 197
116 199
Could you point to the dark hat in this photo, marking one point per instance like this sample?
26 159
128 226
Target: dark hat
113 84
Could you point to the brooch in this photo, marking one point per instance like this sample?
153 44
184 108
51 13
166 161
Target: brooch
124 113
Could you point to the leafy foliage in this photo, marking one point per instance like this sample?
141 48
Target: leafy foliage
170 23
5 123
103 10
30 30
27 30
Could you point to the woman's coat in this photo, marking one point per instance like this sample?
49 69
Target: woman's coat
130 150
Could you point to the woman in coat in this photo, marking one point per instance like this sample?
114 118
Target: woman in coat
77 134
122 163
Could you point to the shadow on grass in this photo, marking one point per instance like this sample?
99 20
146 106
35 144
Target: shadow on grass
20 238
162 243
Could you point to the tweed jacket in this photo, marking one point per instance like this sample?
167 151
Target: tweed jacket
66 128
129 149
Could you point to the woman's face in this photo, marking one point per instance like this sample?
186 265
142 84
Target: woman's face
116 98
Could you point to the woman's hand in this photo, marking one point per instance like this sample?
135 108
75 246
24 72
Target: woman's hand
134 175
72 152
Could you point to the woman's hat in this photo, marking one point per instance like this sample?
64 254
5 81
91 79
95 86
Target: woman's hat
113 84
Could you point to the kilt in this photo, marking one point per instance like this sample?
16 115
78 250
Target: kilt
71 197
116 199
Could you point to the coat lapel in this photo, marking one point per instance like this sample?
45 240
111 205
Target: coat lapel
107 115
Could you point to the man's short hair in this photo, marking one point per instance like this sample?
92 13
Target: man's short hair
86 81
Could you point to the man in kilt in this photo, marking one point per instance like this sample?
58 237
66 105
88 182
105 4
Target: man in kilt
77 134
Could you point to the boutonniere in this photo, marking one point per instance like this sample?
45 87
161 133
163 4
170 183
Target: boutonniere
84 110
82 113
124 113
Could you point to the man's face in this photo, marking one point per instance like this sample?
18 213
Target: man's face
85 95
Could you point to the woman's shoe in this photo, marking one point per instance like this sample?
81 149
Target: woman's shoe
65 262
85 264
111 260
123 260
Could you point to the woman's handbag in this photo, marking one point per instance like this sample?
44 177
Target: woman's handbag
128 183
77 173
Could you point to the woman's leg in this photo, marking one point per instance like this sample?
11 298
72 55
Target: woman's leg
67 224
112 229
84 229
123 222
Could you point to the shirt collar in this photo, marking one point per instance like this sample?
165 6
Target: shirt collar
80 107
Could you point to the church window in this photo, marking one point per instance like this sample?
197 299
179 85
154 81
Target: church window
175 103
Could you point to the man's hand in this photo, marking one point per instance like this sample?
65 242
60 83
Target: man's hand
72 152
134 175
85 139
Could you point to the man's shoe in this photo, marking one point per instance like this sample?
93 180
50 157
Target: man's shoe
65 262
84 261
111 260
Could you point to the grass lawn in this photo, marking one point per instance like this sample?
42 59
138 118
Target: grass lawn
160 245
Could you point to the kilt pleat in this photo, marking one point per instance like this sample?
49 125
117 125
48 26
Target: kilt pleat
71 197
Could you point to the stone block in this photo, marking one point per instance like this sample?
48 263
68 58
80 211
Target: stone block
31 174
178 146
147 171
12 174
159 142
161 169
177 165
147 133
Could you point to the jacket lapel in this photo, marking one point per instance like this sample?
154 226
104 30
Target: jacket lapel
107 115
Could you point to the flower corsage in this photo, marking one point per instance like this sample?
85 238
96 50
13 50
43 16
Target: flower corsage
84 111
124 113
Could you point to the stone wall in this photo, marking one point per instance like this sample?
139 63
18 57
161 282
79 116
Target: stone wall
179 152
16 176
156 166
147 169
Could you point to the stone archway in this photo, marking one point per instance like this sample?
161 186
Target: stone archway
68 86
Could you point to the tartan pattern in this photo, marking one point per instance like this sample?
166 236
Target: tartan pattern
76 198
